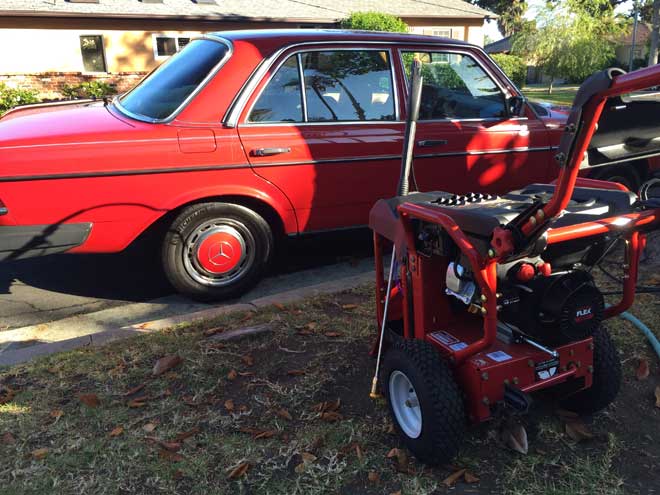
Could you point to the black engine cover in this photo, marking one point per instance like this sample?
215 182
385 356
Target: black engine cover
555 310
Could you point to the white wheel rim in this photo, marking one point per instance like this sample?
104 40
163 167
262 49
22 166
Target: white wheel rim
405 404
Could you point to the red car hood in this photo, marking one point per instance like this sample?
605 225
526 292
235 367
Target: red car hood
43 125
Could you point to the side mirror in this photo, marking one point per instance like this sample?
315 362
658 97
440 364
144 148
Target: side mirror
516 106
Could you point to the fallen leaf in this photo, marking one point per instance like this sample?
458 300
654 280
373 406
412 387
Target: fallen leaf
7 395
247 360
349 306
232 375
327 406
116 431
358 452
166 363
454 477
333 334
8 438
398 492
168 455
284 414
56 413
265 434
245 373
657 396
643 369
229 405
149 427
331 416
305 332
238 471
187 434
578 431
40 453
280 306
515 437
312 325
242 408
248 316
300 468
401 459
295 372
90 400
470 478
171 446
213 331
308 457
317 443
178 474
373 476
135 403
135 390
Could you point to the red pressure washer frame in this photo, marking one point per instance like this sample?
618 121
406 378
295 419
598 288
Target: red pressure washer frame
483 380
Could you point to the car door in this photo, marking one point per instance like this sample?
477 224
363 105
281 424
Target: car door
467 140
324 127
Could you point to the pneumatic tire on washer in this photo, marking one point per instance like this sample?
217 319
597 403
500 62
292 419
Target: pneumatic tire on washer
425 402
216 250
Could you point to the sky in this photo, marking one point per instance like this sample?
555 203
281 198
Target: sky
490 27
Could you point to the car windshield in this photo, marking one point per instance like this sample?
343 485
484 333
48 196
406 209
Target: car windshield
163 91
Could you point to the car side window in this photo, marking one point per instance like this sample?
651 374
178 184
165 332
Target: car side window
348 85
281 99
456 87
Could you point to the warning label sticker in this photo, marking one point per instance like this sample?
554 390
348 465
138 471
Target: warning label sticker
444 337
498 356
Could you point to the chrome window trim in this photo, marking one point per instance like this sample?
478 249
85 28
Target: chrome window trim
303 91
505 91
298 54
116 103
234 110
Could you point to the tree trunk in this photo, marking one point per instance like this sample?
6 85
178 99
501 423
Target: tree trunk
655 33
552 80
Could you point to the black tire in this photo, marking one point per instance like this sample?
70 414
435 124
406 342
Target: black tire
440 400
626 176
221 226
606 378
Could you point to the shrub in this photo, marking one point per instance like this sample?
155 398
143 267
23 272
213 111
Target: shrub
89 89
374 21
513 66
9 97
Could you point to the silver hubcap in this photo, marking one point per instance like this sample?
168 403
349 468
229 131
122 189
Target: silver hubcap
202 266
405 404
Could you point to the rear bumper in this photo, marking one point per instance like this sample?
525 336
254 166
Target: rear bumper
18 242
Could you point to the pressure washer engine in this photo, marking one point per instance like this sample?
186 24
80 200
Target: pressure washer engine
490 298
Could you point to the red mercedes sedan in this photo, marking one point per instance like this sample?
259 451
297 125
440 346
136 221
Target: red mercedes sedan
245 137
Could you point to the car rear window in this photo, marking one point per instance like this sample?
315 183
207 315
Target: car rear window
162 92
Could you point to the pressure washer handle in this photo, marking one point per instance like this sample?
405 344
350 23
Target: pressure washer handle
415 92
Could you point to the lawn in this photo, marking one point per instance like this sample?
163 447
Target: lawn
561 95
289 412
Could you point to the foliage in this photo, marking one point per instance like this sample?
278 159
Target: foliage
10 97
88 89
572 39
374 21
513 66
511 13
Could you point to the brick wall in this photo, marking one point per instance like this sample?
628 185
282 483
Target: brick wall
49 85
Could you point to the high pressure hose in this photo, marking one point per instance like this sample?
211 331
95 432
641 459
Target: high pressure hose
653 340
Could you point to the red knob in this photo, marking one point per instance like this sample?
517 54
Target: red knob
544 269
526 272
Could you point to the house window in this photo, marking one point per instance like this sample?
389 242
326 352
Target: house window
444 33
93 54
165 46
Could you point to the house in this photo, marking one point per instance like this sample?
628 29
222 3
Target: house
625 45
48 44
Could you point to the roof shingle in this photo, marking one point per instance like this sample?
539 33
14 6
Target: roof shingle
318 10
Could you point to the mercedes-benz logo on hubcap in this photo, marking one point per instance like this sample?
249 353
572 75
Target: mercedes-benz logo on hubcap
221 253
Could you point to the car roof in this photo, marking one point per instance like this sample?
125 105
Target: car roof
294 36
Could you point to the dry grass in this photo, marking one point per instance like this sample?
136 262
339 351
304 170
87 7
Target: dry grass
270 423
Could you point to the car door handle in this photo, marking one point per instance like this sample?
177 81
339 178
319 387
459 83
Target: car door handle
270 151
431 143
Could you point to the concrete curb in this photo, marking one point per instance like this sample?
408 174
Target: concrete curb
10 358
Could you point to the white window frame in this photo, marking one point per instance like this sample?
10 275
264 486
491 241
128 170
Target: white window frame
154 42
437 30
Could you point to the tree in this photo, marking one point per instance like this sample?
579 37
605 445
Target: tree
374 21
573 38
510 13
655 33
